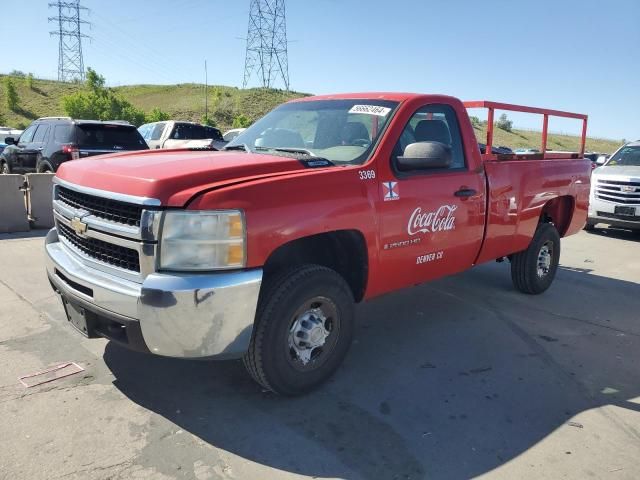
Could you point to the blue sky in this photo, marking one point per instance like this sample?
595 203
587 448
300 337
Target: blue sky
575 55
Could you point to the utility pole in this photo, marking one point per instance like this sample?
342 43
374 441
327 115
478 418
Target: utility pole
70 61
206 97
267 43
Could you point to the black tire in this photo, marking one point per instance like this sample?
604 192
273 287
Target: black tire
45 167
533 270
272 360
4 168
590 227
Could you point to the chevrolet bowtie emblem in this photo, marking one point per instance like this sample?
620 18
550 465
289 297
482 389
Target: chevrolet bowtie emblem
78 226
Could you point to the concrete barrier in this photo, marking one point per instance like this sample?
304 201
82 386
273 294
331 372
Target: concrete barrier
40 192
13 211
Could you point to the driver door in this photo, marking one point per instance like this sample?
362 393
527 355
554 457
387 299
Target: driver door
432 219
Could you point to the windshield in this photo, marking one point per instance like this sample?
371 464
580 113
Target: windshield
190 131
626 157
341 131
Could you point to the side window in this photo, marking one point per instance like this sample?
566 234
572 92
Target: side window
434 123
41 134
145 130
27 135
157 131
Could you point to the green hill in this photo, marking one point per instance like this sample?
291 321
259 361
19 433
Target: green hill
186 102
182 102
532 139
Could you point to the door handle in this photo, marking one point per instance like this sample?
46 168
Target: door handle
465 192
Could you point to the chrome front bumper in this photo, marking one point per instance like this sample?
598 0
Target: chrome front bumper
187 316
601 211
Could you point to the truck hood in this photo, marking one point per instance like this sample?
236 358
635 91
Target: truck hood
173 176
618 173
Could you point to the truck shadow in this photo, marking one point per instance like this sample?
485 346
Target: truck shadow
618 233
448 380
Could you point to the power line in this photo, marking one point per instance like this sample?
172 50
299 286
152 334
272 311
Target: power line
267 43
70 61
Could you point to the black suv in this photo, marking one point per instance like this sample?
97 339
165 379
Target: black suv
50 141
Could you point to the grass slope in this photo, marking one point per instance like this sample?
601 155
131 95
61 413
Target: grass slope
533 139
186 102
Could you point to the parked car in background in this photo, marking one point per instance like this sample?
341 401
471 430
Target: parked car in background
174 134
233 133
2 145
494 149
9 132
593 157
50 141
526 151
615 190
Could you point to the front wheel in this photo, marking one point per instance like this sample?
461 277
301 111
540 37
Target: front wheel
303 330
4 168
533 270
44 167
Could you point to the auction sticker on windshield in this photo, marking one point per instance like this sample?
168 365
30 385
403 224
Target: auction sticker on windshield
370 110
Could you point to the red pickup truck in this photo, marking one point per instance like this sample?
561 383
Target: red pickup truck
261 251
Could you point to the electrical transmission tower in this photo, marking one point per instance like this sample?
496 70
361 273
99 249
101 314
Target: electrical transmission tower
267 43
70 62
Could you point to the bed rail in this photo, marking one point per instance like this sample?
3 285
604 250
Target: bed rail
546 113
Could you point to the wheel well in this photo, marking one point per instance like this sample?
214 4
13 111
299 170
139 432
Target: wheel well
344 251
558 211
45 164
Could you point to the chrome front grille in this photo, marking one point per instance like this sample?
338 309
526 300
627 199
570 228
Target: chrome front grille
618 191
109 253
105 232
105 208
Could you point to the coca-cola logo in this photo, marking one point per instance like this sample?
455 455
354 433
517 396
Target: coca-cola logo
441 220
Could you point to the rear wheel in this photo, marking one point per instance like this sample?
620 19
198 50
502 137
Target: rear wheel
533 270
303 330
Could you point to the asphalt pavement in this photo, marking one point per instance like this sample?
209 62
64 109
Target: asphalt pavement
459 378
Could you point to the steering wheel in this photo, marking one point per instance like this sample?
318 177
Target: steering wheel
361 142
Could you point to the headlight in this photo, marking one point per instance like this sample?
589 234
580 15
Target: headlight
202 240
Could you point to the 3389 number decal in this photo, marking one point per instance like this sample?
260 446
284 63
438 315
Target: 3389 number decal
367 174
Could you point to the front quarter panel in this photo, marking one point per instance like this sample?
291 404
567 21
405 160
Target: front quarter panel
281 209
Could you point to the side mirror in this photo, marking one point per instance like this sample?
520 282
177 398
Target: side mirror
601 160
424 155
10 140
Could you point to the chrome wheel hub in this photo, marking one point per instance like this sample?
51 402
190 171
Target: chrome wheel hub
308 334
544 260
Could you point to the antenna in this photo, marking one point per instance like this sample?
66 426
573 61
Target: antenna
70 62
267 43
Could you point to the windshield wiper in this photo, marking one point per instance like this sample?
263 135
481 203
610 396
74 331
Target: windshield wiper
289 150
240 146
314 162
